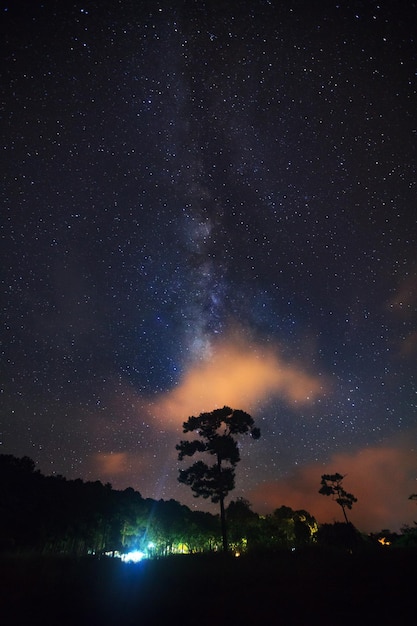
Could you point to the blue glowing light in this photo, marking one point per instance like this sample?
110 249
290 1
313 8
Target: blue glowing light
132 557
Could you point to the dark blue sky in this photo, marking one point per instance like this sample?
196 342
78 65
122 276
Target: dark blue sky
189 185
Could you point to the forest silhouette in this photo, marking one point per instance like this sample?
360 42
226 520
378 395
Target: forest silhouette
59 537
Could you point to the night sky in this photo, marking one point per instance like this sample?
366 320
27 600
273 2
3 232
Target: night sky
210 203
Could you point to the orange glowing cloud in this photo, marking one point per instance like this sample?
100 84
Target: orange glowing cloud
381 478
135 468
240 375
111 464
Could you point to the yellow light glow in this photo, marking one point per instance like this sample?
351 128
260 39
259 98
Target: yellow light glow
384 541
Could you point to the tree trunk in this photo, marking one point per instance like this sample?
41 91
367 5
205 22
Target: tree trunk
222 511
223 524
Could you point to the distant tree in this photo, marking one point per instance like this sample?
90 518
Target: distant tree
408 537
413 497
331 485
306 527
281 523
169 525
339 535
217 433
19 502
242 524
202 531
289 529
384 537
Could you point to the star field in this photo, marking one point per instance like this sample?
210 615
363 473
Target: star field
203 199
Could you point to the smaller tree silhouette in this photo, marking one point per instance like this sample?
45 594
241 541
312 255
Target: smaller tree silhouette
331 485
413 496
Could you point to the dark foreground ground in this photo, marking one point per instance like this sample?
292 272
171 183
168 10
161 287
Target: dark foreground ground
298 588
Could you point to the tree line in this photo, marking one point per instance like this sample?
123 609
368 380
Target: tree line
53 515
50 514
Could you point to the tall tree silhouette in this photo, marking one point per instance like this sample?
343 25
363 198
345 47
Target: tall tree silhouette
331 485
217 432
